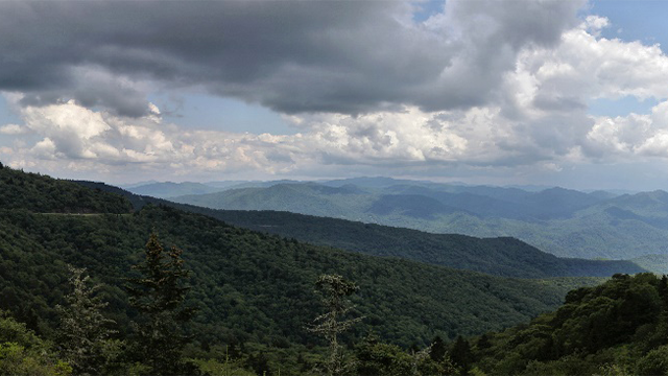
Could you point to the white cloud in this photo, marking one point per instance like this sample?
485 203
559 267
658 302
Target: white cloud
45 149
72 131
585 66
594 24
12 129
632 136
65 118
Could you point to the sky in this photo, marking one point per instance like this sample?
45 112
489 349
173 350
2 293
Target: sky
572 93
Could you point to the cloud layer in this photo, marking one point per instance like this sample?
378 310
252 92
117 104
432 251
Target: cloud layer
291 56
482 85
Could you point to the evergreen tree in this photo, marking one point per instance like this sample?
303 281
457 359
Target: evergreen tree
84 331
438 350
335 290
158 294
663 292
462 356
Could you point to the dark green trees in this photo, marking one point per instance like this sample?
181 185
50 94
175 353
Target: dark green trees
158 294
461 355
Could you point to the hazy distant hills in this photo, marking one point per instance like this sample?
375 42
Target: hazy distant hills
564 222
411 200
654 263
169 189
305 198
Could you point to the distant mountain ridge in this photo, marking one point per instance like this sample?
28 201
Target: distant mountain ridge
170 189
563 222
508 257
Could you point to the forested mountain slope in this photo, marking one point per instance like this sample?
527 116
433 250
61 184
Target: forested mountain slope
39 193
248 286
497 256
618 328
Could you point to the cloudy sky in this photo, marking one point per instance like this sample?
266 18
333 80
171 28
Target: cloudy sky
569 92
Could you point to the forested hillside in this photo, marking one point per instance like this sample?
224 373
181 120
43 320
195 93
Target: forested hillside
654 263
256 282
618 328
563 222
250 288
499 256
39 193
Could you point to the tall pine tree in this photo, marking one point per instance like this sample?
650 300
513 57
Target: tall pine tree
159 295
84 332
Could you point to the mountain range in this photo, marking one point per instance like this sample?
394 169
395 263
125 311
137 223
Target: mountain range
252 278
564 222
497 256
247 285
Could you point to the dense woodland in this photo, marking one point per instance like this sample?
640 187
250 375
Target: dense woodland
243 302
503 256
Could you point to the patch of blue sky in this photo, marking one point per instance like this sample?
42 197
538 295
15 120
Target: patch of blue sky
427 8
639 20
621 107
7 116
199 111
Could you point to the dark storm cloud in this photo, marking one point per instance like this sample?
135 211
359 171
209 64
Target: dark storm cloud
291 56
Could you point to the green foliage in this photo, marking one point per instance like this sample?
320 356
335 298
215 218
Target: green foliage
42 194
84 334
17 361
616 328
24 353
461 355
213 367
158 294
383 359
655 362
376 358
437 350
254 287
12 331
